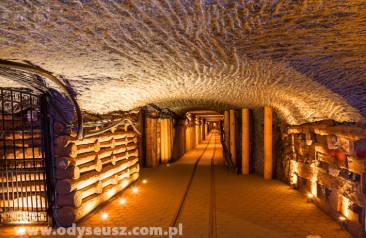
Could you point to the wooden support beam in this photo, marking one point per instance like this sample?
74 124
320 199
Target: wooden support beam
180 139
226 129
188 139
193 132
245 141
232 136
205 132
65 216
151 143
165 140
268 160
197 132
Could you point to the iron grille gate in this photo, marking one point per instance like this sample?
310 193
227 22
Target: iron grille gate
24 148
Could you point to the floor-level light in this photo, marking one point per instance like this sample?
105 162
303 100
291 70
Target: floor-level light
20 231
135 190
144 181
310 197
104 216
343 222
122 201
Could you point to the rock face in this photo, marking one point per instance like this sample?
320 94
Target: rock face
303 58
328 162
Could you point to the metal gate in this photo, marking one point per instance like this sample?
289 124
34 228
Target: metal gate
24 144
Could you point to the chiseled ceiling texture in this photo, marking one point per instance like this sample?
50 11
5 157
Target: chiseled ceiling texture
305 58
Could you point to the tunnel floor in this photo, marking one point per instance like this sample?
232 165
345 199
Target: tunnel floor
217 203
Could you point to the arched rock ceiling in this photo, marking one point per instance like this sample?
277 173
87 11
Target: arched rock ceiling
306 58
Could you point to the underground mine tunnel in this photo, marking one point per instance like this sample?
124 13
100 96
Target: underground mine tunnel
202 118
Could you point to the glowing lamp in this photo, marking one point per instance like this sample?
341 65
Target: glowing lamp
343 222
122 201
310 197
144 181
135 190
20 231
104 216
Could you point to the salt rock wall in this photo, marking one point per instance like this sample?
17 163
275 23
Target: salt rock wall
90 171
330 163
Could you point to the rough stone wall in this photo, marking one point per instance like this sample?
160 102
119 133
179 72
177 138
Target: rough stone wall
329 162
303 58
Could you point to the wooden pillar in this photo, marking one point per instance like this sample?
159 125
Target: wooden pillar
245 141
165 140
232 136
268 143
203 129
158 139
197 131
151 143
179 140
170 138
227 129
193 132
142 139
206 130
188 138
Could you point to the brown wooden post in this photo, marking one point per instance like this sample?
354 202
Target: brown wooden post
245 141
188 138
193 132
227 129
180 139
197 131
170 138
232 136
165 140
267 143
205 130
142 138
151 143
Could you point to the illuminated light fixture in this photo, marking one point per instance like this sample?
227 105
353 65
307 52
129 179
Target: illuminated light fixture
168 165
343 221
294 180
20 231
122 201
144 181
104 216
310 197
135 190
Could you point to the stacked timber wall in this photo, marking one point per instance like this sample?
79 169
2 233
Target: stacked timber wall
92 170
330 163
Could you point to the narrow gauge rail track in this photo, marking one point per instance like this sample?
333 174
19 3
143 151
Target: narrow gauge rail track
212 203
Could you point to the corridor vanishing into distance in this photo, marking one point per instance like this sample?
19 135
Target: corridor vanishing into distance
212 203
205 118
